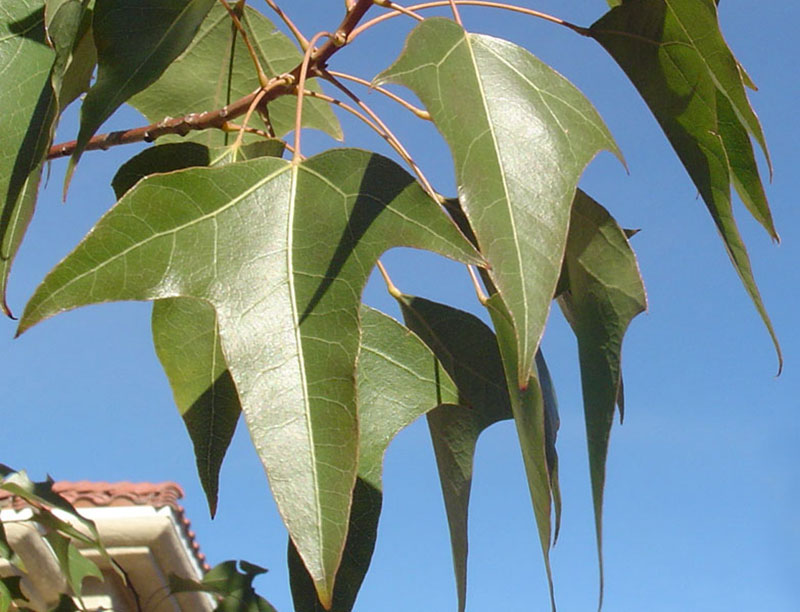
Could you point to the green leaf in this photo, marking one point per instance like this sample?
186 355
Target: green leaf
216 69
234 584
516 171
67 23
399 379
73 564
603 293
186 338
282 251
468 352
675 55
128 64
29 110
10 589
527 406
185 331
5 595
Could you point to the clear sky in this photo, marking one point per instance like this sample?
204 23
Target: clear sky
703 481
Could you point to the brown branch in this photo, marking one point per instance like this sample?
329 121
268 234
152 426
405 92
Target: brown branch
278 86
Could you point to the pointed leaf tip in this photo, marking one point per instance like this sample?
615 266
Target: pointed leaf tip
516 172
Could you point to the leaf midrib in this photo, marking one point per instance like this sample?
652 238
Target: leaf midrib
514 233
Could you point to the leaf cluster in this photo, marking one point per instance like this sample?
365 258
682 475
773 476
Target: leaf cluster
256 264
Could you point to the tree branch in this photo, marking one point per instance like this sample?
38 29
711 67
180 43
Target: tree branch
282 85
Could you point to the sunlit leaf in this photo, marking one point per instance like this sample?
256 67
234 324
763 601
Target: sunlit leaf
603 293
29 109
520 136
282 251
128 64
185 330
527 406
675 55
399 379
206 77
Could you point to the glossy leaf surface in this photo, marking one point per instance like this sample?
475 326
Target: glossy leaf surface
520 136
282 252
603 293
675 55
399 379
185 330
127 64
29 109
214 70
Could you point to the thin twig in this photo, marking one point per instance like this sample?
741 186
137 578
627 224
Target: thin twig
485 3
419 112
262 77
397 7
278 86
390 286
456 15
301 40
301 84
476 283
238 142
390 137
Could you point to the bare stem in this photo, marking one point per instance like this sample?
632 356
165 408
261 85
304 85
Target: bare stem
476 283
246 119
388 135
262 77
390 286
301 40
301 85
419 112
397 7
485 3
456 15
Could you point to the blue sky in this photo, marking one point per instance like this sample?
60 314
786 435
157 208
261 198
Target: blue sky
702 486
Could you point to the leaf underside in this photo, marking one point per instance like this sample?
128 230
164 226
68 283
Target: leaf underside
282 251
516 171
602 293
675 55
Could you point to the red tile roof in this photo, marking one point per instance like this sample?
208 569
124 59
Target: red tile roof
86 494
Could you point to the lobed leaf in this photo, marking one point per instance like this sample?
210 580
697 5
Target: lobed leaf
520 136
216 69
282 251
399 379
603 292
675 55
185 330
129 61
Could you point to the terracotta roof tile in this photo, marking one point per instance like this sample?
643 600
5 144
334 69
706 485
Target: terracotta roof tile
86 494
